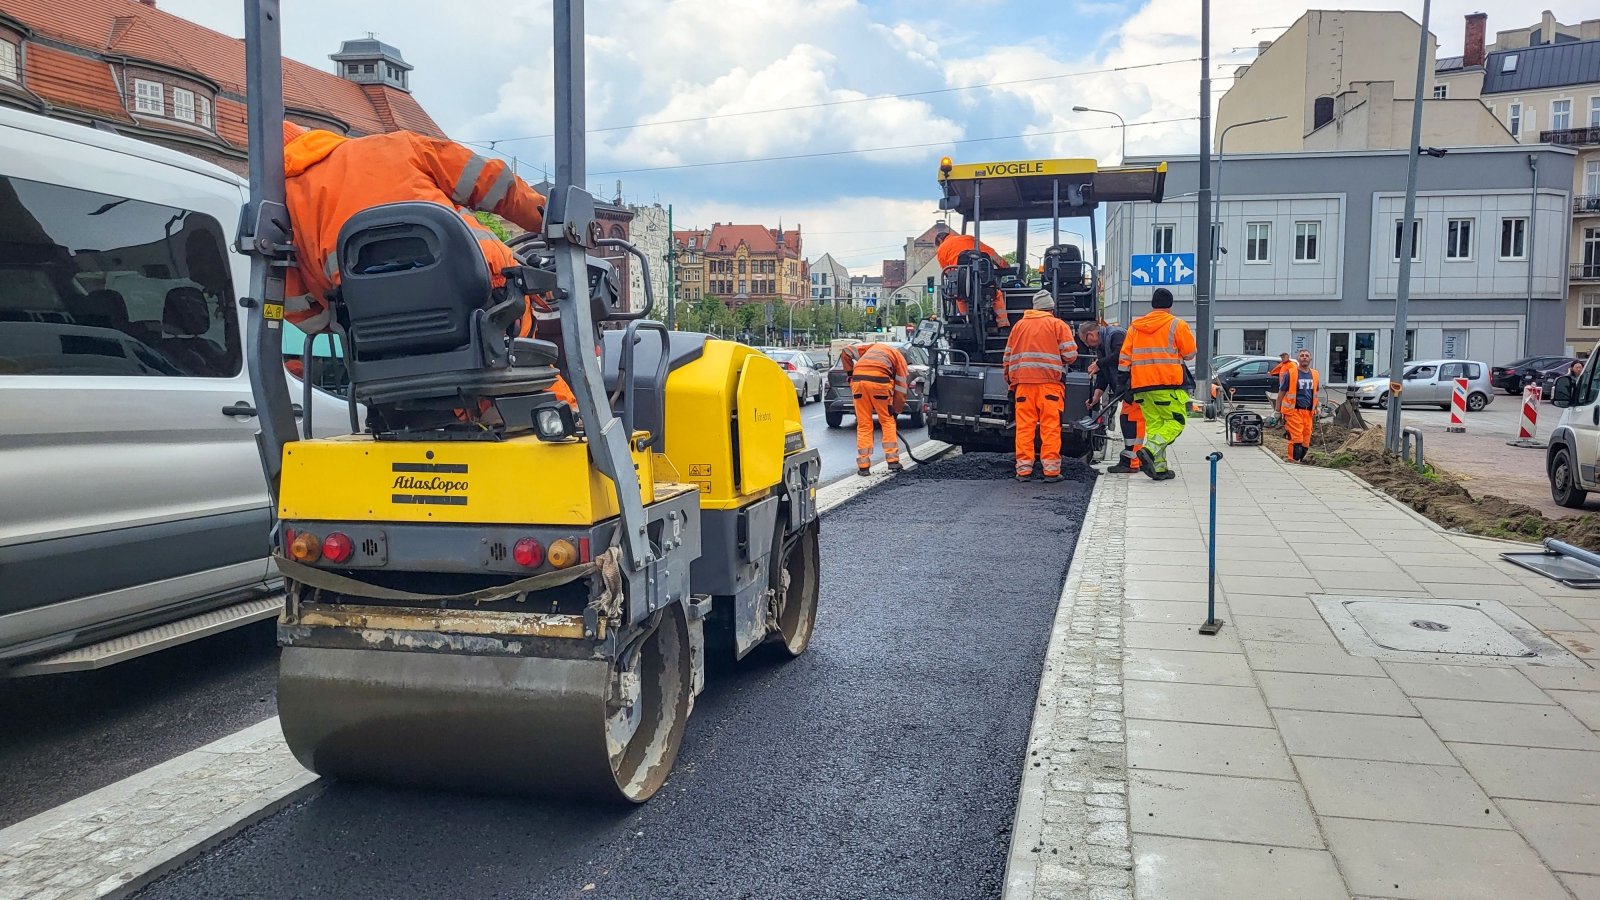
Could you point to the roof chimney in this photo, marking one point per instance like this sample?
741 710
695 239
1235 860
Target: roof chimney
149 3
1472 50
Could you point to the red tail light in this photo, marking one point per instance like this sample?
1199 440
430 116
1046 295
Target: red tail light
789 366
527 553
337 547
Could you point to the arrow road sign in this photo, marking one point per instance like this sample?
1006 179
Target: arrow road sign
1162 268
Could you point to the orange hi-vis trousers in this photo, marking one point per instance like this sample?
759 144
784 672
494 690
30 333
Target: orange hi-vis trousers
873 398
1039 410
1132 433
1298 422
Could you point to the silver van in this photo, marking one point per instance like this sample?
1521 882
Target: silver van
132 505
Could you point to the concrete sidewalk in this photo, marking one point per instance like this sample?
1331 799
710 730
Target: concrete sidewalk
1322 745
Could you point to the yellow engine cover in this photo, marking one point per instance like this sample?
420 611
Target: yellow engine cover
519 481
731 418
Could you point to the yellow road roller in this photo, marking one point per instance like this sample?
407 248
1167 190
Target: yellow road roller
487 589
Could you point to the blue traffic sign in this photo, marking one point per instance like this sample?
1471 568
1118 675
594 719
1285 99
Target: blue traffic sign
1149 269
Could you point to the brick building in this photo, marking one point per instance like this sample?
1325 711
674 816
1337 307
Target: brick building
742 264
127 66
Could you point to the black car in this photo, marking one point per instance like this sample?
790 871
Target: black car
836 393
1249 378
1546 377
1515 375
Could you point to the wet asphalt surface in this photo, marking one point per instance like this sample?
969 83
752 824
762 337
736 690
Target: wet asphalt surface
62 736
883 763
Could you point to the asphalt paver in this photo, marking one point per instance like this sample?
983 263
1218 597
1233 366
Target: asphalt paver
883 763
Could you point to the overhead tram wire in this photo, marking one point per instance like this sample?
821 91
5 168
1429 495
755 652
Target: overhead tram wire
849 100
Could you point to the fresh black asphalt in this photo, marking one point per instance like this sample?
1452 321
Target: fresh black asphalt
883 763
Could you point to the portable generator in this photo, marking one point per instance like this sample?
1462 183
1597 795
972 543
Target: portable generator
1244 428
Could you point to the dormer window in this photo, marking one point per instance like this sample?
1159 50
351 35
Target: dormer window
147 97
9 68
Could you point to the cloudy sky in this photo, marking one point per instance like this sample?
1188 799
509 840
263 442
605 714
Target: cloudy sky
680 86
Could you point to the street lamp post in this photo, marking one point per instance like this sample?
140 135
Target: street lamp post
1124 127
1402 293
1216 223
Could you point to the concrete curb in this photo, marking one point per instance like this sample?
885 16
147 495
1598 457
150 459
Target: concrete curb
113 842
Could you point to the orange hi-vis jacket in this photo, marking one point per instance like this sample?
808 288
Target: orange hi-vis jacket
1153 353
880 363
949 254
1289 388
330 178
1040 349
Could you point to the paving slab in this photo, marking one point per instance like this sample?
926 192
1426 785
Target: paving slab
1444 682
1168 868
1437 862
1533 773
1275 607
1273 656
1285 630
1567 835
1218 807
1355 736
1190 666
1583 704
1173 636
1396 792
1514 724
1207 749
1334 693
1175 611
1210 703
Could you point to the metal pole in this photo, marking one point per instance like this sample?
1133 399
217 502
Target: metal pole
1214 228
672 275
1212 624
1533 216
1397 343
1121 123
571 142
1202 281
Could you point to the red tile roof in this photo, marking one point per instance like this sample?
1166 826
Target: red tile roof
725 238
115 29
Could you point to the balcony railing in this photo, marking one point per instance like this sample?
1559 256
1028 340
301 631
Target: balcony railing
1586 205
1586 272
1571 136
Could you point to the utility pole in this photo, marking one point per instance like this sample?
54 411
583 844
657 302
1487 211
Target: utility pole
1402 294
1533 216
1203 261
672 275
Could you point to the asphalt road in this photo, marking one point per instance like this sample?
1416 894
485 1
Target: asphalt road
62 736
884 763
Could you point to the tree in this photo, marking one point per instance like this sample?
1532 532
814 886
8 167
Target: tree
494 223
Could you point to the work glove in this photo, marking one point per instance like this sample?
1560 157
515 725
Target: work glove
1095 400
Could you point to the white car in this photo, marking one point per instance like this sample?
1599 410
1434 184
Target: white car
1429 382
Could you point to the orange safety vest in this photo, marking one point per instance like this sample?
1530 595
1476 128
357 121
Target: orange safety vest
1039 350
879 363
1289 387
1154 351
329 178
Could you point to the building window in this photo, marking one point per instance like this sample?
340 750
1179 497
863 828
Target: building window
1255 342
1560 115
1515 119
1594 112
1589 303
8 62
1441 92
1162 238
353 69
1513 233
369 69
183 104
741 267
1458 240
1591 178
203 108
1508 64
1257 240
147 97
1306 235
1399 238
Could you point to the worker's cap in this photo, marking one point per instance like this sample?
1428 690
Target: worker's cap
1043 300
291 131
1161 298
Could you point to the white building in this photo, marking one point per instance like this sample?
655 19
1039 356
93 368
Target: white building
867 290
650 233
830 281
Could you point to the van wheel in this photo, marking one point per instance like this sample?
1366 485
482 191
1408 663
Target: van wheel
1476 401
835 419
1564 488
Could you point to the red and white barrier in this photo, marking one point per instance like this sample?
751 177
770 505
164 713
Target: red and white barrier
1458 408
1529 425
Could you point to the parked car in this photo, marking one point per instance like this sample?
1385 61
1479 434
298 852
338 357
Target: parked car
1546 376
841 403
802 372
1513 376
129 476
1248 377
1431 382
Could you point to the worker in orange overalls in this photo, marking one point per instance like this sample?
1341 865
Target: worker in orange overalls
1038 352
949 246
1106 341
1299 387
879 382
1154 358
1284 365
329 178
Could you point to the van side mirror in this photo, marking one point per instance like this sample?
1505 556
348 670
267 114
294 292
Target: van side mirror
1565 387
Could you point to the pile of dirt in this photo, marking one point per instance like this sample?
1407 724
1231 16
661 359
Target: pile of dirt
1440 496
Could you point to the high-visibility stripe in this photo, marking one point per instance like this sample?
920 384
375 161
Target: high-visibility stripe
320 322
498 189
468 179
330 266
297 304
1034 354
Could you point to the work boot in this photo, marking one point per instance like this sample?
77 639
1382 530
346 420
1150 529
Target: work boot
864 471
1052 479
1121 468
894 466
1024 475
1168 475
1147 463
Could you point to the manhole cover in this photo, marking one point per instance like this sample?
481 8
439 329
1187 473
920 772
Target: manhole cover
1425 629
1426 625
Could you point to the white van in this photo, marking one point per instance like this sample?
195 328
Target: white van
131 492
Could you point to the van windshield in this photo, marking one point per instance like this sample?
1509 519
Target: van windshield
93 284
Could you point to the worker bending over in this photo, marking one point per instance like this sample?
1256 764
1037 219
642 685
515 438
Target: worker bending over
1106 341
1038 352
1154 357
328 179
948 248
879 383
1300 387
